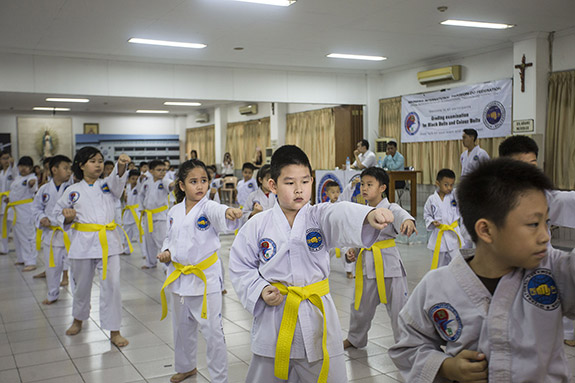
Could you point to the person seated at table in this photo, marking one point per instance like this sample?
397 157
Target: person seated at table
364 158
394 161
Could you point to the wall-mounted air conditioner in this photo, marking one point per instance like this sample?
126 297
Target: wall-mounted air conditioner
269 152
381 147
249 109
449 73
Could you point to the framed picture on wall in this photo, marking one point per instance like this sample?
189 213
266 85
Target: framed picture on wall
91 128
41 138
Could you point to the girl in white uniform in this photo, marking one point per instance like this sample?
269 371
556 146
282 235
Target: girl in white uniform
131 209
261 199
87 211
194 272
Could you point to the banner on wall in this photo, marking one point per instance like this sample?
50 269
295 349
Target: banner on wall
342 178
442 115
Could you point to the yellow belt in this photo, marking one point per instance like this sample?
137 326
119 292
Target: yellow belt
149 216
102 235
13 206
442 228
132 209
197 270
379 274
54 230
4 194
337 252
296 294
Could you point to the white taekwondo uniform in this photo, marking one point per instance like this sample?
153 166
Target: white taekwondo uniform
6 178
23 219
191 239
445 212
245 188
43 207
154 196
518 328
95 204
267 250
394 277
132 203
216 183
266 201
471 160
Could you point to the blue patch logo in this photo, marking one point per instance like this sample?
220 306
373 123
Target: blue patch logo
454 202
45 197
412 123
476 158
105 188
314 239
268 248
251 185
446 320
494 115
321 191
203 223
540 289
10 178
24 183
135 192
161 187
74 196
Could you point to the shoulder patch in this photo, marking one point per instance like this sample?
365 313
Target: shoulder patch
446 320
454 202
24 182
105 188
540 289
45 197
268 248
314 239
74 196
171 222
476 158
10 178
203 223
160 186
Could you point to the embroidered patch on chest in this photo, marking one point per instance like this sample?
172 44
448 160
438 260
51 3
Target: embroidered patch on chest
105 188
161 187
203 223
453 202
10 178
268 248
476 158
45 197
251 186
74 196
24 183
540 289
314 239
446 320
135 192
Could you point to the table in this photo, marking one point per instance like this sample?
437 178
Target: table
404 175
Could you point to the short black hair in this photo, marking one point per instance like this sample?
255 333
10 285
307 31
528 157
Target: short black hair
471 132
143 163
5 151
365 143
155 163
168 161
332 184
57 160
134 172
445 173
379 174
183 173
26 161
518 145
248 165
108 162
493 189
82 156
392 143
262 173
46 161
287 155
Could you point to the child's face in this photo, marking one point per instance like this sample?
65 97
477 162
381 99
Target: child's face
108 169
133 180
293 187
24 170
445 185
5 161
265 183
144 169
248 174
371 189
196 184
158 172
94 167
333 193
62 172
131 166
522 239
530 158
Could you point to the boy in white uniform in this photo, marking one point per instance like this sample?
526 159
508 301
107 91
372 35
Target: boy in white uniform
54 240
247 185
261 199
284 251
379 273
87 209
19 210
131 209
8 171
442 219
496 314
333 191
155 192
473 155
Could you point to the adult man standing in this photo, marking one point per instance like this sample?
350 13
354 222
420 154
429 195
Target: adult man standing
364 158
474 155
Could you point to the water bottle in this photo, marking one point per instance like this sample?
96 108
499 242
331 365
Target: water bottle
380 162
347 164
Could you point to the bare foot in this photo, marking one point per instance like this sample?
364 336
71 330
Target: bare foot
40 275
183 375
347 344
570 343
75 328
29 268
224 291
49 302
349 275
118 339
65 280
18 263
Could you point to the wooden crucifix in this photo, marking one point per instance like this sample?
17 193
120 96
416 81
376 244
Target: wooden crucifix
521 68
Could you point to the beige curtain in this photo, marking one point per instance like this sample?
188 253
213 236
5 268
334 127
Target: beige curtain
428 157
203 141
314 133
560 135
242 138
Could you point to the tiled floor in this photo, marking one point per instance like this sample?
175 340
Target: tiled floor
34 348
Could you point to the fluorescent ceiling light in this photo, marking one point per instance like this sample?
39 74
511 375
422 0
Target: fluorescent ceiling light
55 99
476 24
177 44
180 103
152 111
279 3
51 109
356 57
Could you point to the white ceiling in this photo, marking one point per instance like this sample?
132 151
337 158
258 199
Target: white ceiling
299 36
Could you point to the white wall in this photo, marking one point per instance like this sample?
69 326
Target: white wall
563 52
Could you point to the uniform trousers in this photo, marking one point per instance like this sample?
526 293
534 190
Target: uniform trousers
25 242
568 331
4 241
261 370
83 271
154 242
445 257
186 320
54 274
360 320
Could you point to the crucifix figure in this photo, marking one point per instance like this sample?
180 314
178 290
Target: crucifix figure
521 68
